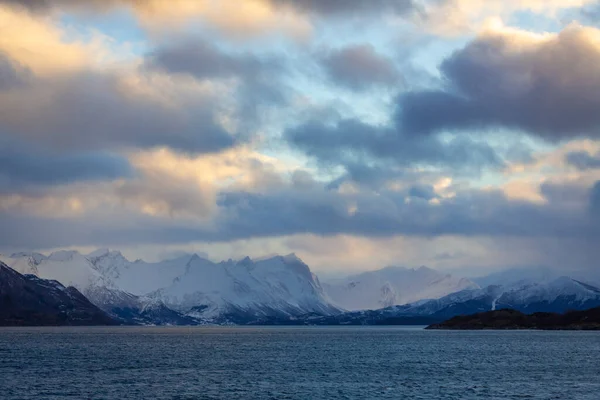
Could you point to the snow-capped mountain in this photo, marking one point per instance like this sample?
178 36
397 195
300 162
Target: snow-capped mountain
71 268
68 267
137 277
393 286
24 263
517 276
246 290
191 289
556 295
185 289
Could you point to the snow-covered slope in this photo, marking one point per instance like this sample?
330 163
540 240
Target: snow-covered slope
68 267
246 290
138 277
517 276
556 295
24 263
71 268
393 286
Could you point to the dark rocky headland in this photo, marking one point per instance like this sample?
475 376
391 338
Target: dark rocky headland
512 319
26 300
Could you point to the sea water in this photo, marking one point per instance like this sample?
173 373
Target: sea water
296 363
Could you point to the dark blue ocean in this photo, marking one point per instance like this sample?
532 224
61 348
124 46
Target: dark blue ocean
296 363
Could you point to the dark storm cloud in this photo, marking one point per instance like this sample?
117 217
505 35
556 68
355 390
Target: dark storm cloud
359 66
95 111
549 88
583 160
22 167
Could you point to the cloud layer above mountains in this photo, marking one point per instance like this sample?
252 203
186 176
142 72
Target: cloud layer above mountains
464 128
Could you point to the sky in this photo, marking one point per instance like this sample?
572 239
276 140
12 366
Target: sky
457 134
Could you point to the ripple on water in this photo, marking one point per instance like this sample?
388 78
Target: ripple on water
296 363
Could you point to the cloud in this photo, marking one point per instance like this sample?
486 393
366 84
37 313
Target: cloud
546 85
168 184
72 100
458 17
595 200
583 160
363 148
258 79
103 111
345 7
359 67
34 5
203 60
230 17
39 44
12 75
290 210
22 167
119 147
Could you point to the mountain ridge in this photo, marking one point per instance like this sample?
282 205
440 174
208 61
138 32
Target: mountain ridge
190 289
187 288
26 300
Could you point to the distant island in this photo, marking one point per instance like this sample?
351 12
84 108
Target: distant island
512 319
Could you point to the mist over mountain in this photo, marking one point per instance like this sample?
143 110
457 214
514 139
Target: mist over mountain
393 286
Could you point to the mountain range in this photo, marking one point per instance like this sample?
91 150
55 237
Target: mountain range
555 295
190 290
185 290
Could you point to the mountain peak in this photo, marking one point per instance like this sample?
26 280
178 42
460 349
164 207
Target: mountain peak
106 256
99 253
35 257
292 258
63 255
246 261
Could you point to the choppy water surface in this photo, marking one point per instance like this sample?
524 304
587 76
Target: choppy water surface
296 363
